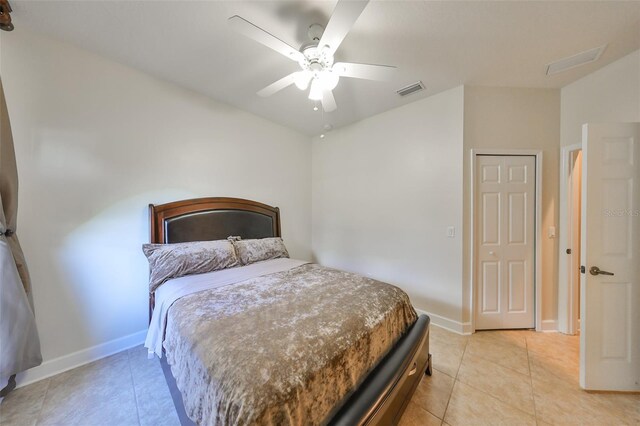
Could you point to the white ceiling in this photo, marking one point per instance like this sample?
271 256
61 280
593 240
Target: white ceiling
442 43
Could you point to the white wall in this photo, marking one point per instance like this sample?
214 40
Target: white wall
95 143
611 94
514 118
385 190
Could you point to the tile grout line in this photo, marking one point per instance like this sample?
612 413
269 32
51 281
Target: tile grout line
455 379
133 385
506 366
503 366
44 399
420 407
428 411
442 372
464 351
533 395
492 396
495 364
496 398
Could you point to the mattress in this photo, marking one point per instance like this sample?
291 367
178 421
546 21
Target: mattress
279 342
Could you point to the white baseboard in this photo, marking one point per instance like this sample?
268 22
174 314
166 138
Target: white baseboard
549 326
76 359
446 323
466 328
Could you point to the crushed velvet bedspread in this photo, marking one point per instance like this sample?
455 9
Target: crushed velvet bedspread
281 349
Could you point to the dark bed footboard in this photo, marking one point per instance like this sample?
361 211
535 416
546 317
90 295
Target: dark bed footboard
385 393
381 398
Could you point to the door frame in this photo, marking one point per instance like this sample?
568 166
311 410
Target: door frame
537 223
567 308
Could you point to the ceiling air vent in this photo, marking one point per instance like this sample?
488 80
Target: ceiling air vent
412 88
582 58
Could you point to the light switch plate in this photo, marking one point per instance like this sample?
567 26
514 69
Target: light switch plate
552 232
451 232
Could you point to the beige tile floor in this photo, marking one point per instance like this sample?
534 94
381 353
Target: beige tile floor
123 389
511 378
500 377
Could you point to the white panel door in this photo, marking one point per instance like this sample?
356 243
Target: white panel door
610 304
505 237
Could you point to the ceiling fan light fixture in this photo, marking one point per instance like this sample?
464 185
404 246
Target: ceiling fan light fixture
315 94
328 79
302 79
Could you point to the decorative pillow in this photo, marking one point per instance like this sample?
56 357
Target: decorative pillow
251 251
168 261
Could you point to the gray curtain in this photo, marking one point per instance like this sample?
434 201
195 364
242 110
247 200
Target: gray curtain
19 342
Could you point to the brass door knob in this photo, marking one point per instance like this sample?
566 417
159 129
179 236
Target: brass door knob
594 270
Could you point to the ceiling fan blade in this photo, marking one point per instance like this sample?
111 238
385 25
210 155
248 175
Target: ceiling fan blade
342 19
278 85
328 101
256 33
366 71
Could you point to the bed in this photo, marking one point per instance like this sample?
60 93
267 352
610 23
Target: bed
372 384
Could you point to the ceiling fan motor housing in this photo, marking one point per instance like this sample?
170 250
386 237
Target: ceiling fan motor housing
315 59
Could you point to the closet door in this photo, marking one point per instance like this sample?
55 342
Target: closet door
505 241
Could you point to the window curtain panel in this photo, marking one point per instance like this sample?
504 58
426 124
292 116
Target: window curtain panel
19 341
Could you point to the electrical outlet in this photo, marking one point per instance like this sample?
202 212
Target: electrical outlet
451 232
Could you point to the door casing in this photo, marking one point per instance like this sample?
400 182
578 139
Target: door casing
538 230
567 305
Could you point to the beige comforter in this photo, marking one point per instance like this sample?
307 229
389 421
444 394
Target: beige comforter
285 348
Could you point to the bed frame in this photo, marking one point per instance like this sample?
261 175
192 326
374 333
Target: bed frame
383 396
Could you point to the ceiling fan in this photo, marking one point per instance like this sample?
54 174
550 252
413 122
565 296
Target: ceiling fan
315 57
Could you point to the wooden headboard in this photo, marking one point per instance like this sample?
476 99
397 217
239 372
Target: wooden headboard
213 218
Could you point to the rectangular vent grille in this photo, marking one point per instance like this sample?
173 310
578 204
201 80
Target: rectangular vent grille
575 60
412 88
